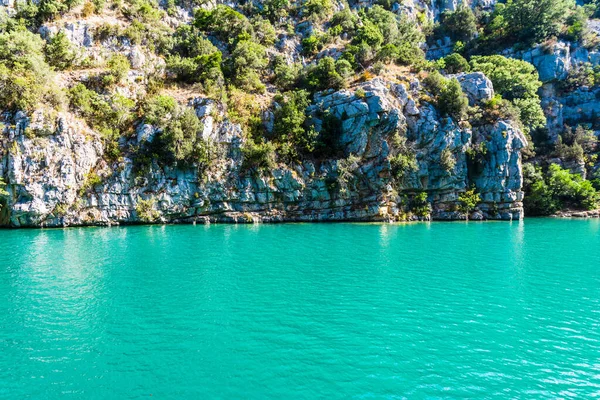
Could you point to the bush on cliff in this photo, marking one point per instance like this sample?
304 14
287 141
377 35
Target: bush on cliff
516 81
452 101
59 51
468 200
178 140
193 58
459 25
525 21
26 80
3 192
290 128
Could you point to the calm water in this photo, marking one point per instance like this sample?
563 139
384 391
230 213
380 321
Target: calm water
442 310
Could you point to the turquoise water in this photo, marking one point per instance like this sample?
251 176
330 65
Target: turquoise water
301 311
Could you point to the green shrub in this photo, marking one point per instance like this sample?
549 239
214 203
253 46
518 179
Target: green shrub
26 80
178 141
50 9
146 210
322 76
264 32
516 81
224 23
556 190
368 33
317 10
59 51
3 192
311 45
460 24
524 22
498 108
118 68
286 75
290 129
274 10
246 64
404 161
111 116
435 82
468 200
447 160
346 20
455 64
258 157
419 205
570 189
452 101
194 59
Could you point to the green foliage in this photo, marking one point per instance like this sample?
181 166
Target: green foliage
264 32
3 192
92 179
118 68
516 81
455 64
317 10
286 75
468 200
476 154
452 101
379 35
244 109
526 22
322 76
50 9
111 116
26 80
224 23
498 108
346 172
274 10
179 141
311 45
246 64
577 29
346 20
558 189
581 75
258 157
404 161
59 51
146 210
435 83
460 24
419 205
368 33
447 160
143 10
290 129
194 59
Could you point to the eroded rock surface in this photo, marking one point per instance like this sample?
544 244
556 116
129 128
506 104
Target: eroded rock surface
61 178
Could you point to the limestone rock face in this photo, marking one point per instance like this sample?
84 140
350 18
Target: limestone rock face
57 176
476 86
45 172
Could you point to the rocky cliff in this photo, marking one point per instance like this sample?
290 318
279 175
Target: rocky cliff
398 153
57 174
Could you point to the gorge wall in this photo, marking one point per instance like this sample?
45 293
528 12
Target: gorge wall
50 172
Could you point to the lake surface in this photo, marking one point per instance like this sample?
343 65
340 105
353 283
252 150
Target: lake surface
302 311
